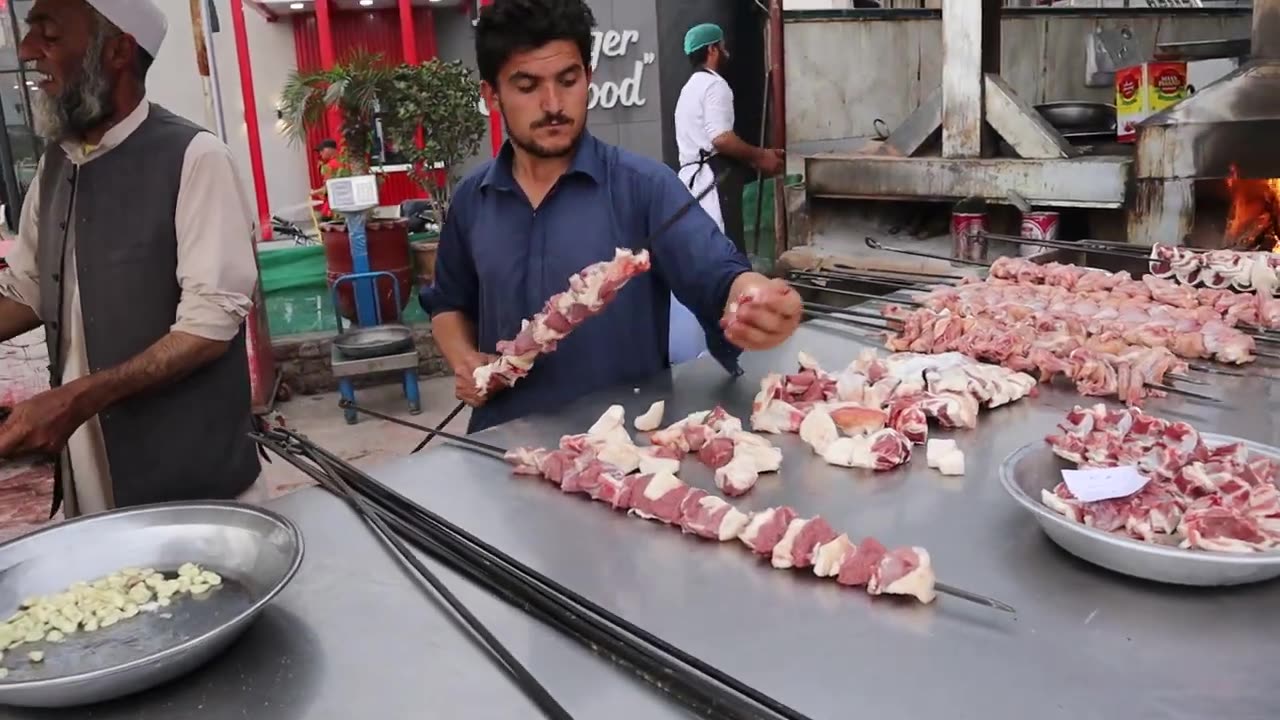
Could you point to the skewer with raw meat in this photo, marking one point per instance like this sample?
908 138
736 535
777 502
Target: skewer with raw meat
1197 496
778 534
1258 309
1217 269
589 292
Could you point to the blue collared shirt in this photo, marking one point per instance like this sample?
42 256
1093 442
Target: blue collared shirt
499 260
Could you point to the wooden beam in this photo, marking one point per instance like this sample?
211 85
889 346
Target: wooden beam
919 127
962 109
1020 125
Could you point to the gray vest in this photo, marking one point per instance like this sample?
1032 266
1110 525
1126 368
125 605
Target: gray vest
189 440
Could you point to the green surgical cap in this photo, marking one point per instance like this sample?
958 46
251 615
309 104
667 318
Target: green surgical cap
700 36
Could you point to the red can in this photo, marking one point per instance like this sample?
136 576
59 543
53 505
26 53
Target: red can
967 242
1038 225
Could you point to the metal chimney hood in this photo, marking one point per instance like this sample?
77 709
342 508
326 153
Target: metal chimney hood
1231 125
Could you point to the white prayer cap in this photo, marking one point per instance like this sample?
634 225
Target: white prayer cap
140 18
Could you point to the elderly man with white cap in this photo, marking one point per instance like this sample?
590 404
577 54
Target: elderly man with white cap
135 254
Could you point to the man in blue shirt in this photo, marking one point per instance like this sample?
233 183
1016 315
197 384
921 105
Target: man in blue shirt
556 200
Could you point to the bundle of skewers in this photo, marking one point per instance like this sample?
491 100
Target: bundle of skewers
404 527
1109 334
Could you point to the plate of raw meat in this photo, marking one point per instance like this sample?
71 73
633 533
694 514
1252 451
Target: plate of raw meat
1209 513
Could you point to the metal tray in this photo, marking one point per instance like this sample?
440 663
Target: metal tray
1034 467
257 552
359 343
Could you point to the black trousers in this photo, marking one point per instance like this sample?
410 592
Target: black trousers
729 191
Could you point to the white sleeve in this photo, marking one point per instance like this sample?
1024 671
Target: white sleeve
718 109
217 268
21 280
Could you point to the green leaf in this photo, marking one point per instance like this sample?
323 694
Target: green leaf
440 100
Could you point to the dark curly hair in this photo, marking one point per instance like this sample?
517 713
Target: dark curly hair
510 26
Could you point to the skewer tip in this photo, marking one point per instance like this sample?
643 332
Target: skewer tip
956 592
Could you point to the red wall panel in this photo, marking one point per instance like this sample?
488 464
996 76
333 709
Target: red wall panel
375 31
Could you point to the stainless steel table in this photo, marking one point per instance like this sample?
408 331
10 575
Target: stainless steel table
352 638
1086 643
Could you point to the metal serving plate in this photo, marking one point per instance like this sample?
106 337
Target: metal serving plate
256 552
360 343
1034 467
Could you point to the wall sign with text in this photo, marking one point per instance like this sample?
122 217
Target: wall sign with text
619 47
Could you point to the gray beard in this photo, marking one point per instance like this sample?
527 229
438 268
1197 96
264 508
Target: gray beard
82 106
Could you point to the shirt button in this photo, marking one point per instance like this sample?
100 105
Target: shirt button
53 324
57 277
62 226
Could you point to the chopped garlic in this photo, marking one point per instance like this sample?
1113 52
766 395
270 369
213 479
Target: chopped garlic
101 603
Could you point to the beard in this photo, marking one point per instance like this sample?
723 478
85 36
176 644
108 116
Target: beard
84 103
538 150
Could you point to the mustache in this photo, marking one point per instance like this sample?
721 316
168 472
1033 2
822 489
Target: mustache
549 120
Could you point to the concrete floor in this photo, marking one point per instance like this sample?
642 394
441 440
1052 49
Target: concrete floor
370 441
365 444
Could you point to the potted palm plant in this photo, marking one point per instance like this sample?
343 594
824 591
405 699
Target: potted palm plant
353 87
430 116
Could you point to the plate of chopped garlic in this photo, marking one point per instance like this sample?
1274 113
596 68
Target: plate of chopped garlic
111 604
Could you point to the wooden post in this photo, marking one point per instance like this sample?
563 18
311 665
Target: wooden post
970 48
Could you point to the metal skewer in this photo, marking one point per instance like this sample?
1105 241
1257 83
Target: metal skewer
1179 391
841 268
1088 246
1211 370
886 282
869 324
1184 378
850 311
467 442
850 293
875 244
443 424
939 587
973 597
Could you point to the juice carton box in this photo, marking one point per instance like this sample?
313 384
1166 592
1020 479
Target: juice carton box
1144 90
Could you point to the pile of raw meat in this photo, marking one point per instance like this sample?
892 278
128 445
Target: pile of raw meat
871 413
1198 497
737 456
1218 269
589 292
779 534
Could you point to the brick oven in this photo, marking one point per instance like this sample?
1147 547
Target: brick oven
1207 171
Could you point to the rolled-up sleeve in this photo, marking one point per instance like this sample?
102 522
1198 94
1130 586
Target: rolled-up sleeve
21 280
456 286
718 109
697 261
217 270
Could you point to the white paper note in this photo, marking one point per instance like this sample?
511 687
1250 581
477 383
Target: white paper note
1104 483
